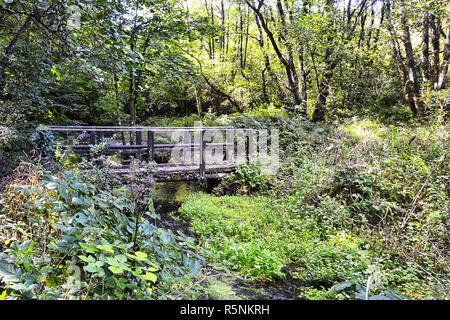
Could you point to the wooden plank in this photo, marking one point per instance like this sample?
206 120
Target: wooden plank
229 146
137 129
145 146
251 144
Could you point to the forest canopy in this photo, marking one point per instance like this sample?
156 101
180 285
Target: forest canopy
127 60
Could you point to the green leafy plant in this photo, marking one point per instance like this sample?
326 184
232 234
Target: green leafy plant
43 141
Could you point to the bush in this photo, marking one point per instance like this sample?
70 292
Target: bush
63 238
246 179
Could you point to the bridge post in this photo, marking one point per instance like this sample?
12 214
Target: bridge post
92 137
139 141
229 146
251 145
202 153
150 145
99 136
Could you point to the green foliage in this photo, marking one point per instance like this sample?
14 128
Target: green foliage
7 135
68 239
43 142
364 292
369 194
246 179
185 121
231 228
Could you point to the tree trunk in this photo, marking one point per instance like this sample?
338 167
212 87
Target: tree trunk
420 106
119 120
399 59
279 91
198 102
435 25
425 50
293 85
303 77
292 72
443 78
324 86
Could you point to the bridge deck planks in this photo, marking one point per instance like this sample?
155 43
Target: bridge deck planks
177 172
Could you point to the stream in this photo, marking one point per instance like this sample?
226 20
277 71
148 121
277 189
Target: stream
168 197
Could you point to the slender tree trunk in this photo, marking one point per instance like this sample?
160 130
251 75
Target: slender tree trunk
324 86
224 32
425 49
241 38
399 59
198 101
420 106
363 30
116 93
372 23
443 78
435 25
403 75
293 85
303 76
377 35
132 107
279 91
264 86
212 39
246 40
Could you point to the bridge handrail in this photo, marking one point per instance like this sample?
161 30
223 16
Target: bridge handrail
150 147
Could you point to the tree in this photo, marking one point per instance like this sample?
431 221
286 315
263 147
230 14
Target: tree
434 75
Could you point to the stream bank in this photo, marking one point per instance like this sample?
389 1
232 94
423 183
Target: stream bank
218 285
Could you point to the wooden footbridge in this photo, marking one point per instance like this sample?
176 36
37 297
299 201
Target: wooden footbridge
192 152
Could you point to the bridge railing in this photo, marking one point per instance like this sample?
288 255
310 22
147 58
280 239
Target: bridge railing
147 146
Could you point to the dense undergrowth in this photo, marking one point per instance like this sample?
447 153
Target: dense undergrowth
356 207
65 234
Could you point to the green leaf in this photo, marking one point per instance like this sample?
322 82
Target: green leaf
90 268
165 237
149 276
27 246
51 185
88 248
196 267
84 258
9 273
78 201
115 269
338 288
107 248
140 256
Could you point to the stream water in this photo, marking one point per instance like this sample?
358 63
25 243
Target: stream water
168 197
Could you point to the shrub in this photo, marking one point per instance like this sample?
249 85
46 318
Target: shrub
64 238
